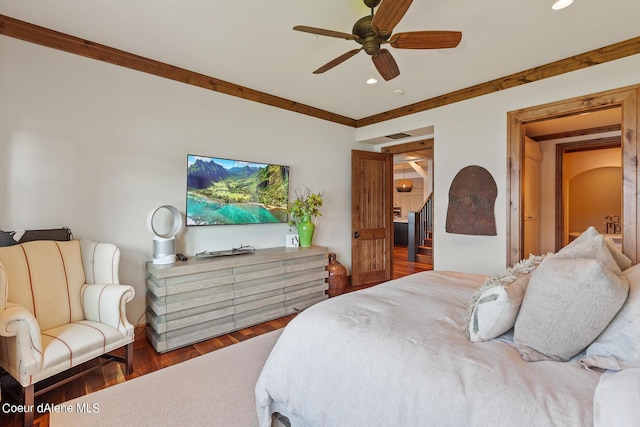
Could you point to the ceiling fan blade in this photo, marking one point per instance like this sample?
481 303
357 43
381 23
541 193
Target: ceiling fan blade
340 59
323 32
389 13
386 65
426 40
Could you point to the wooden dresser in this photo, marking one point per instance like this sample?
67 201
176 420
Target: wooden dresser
202 298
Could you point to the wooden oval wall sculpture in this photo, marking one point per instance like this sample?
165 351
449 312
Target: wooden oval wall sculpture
472 198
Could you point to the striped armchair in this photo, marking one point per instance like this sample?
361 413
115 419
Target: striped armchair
61 305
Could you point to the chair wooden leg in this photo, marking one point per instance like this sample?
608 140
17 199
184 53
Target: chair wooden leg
29 404
129 359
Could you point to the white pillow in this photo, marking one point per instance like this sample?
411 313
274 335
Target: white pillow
618 346
495 304
497 310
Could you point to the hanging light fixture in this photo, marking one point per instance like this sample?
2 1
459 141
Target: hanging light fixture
404 185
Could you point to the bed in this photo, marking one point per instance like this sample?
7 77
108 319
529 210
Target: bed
396 354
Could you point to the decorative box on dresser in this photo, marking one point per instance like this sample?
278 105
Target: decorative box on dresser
202 298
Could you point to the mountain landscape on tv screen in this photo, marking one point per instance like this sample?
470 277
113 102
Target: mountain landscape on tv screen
221 191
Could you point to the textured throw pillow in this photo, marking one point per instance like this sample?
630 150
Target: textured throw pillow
618 346
568 303
495 304
6 238
10 238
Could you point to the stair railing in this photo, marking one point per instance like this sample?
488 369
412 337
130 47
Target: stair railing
419 227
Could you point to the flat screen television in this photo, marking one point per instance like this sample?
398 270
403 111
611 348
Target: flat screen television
226 191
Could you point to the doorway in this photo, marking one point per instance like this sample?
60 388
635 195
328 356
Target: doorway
568 163
627 100
588 189
413 164
372 249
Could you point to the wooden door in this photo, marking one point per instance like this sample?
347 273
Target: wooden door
371 217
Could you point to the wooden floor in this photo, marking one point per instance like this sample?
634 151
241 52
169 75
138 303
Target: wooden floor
147 360
401 267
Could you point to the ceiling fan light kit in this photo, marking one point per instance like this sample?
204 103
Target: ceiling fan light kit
374 30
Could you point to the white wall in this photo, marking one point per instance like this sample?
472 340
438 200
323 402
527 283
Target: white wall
96 147
474 132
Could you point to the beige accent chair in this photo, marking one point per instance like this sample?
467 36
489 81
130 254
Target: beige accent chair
61 305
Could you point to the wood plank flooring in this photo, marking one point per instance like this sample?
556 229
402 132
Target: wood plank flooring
402 267
146 359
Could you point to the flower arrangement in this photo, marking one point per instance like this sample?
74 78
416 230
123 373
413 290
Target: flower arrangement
306 203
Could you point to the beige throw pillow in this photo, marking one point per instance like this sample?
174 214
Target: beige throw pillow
568 303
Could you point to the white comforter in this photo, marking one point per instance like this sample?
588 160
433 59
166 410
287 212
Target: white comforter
393 355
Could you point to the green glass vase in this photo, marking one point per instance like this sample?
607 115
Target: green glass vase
305 231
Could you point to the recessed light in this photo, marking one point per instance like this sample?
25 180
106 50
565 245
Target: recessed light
398 92
372 81
561 4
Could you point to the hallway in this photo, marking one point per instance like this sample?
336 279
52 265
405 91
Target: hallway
402 267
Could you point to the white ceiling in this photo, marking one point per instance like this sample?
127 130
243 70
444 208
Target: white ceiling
251 42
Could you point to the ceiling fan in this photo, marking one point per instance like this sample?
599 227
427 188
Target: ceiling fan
376 29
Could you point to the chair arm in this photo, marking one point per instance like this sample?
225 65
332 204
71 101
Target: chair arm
106 304
20 334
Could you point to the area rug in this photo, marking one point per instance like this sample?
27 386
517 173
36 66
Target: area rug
215 389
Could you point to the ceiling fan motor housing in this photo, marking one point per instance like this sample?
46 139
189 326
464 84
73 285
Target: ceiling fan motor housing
368 37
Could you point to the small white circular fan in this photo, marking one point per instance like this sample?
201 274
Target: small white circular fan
164 222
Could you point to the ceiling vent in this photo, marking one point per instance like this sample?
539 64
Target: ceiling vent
399 135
